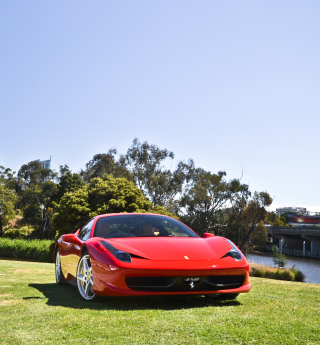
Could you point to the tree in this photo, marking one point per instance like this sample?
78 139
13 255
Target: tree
7 202
238 195
203 195
271 217
105 163
145 162
35 188
279 259
8 197
248 226
101 195
254 213
278 222
67 182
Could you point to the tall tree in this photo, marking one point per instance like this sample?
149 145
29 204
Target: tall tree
35 188
238 197
203 195
8 197
145 162
105 163
68 182
100 195
251 221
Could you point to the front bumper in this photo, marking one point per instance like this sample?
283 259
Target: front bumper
110 280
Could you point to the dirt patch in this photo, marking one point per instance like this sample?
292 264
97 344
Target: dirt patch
5 302
5 295
28 271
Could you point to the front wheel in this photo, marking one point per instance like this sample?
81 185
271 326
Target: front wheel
59 276
85 278
223 296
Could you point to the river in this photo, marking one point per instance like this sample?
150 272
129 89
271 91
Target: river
310 268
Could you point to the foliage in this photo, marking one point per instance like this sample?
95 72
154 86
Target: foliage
203 200
161 210
204 194
41 250
23 232
278 257
238 196
36 189
247 226
271 217
280 274
105 163
99 196
158 183
258 273
260 235
298 275
68 182
7 202
8 197
278 222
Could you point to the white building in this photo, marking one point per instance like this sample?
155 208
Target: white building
299 210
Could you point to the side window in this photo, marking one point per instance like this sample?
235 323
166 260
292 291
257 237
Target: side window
84 233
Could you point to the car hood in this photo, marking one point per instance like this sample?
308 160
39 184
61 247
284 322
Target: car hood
173 248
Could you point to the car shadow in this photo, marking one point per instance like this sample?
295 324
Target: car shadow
68 296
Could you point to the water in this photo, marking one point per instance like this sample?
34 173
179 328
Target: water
310 268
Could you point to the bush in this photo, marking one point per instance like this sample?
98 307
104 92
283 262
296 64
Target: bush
269 274
23 232
298 275
258 273
286 275
27 249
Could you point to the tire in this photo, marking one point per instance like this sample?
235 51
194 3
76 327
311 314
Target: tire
59 276
223 296
85 278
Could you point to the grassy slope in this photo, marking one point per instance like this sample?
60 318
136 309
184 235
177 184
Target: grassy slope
34 310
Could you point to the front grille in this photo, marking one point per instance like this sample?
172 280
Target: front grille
182 284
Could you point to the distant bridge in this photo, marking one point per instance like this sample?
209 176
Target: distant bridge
296 240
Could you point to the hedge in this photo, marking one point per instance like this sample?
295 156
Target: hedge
38 250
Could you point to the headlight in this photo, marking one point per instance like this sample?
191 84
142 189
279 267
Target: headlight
234 252
119 254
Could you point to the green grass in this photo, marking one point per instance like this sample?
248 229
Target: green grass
34 310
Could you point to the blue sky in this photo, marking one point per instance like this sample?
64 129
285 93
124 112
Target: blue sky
234 85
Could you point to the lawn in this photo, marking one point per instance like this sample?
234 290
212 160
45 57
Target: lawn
34 310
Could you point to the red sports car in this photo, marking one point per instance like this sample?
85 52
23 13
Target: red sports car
147 254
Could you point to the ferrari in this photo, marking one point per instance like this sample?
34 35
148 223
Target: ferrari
148 254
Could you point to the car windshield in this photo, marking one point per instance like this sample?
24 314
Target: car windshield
140 226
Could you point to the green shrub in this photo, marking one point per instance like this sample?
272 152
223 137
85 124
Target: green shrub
40 250
298 275
287 275
258 273
22 232
280 274
269 274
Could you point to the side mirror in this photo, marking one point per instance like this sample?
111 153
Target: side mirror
207 235
70 238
